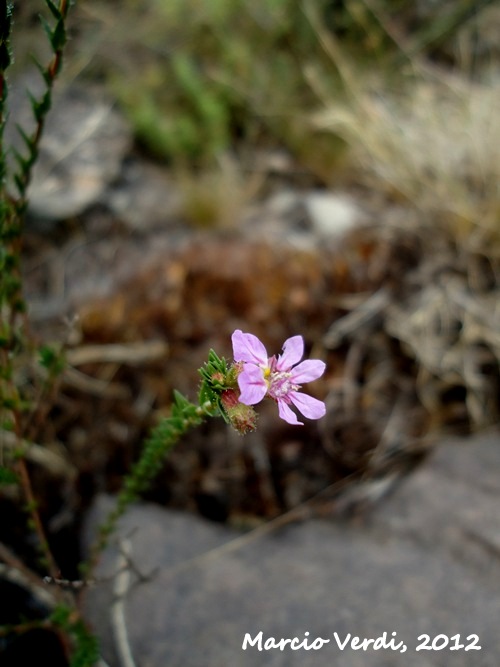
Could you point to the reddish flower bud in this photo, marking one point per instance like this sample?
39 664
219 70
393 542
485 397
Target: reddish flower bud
242 418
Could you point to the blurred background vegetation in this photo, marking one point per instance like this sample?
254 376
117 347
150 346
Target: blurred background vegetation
395 94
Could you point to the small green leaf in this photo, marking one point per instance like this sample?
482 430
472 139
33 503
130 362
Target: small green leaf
54 9
40 107
177 423
8 425
180 400
20 159
58 39
51 359
20 183
41 68
9 403
7 476
27 139
47 27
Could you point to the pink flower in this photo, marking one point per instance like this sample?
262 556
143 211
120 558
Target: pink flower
279 378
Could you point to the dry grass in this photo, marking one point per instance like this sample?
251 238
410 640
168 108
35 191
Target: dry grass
216 197
429 140
422 134
436 145
431 333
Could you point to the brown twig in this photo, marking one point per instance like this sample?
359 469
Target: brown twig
35 517
131 353
16 571
51 461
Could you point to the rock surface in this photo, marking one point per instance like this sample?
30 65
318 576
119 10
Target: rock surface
84 143
426 561
333 215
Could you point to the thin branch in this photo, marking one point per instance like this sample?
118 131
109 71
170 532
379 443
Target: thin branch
118 619
35 517
51 461
131 353
15 570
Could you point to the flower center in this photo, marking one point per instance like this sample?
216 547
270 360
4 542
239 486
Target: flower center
280 385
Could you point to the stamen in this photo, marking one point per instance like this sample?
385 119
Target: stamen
280 385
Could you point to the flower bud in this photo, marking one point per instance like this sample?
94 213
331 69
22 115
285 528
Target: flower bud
242 418
218 379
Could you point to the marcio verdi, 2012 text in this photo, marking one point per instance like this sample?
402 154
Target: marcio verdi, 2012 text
386 641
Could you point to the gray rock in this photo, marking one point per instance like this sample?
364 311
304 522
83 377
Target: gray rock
83 144
333 214
144 197
426 561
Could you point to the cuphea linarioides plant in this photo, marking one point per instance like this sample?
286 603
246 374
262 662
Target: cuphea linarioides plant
226 390
17 346
229 391
20 400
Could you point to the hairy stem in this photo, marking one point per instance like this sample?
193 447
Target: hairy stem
184 417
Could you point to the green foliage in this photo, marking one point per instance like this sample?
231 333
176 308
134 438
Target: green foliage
14 337
52 359
192 102
56 34
216 377
7 476
185 415
203 78
5 60
17 348
85 651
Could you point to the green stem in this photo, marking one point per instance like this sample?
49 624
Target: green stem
41 107
185 416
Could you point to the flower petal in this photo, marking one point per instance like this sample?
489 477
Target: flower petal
309 406
247 347
288 415
307 371
252 385
293 351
